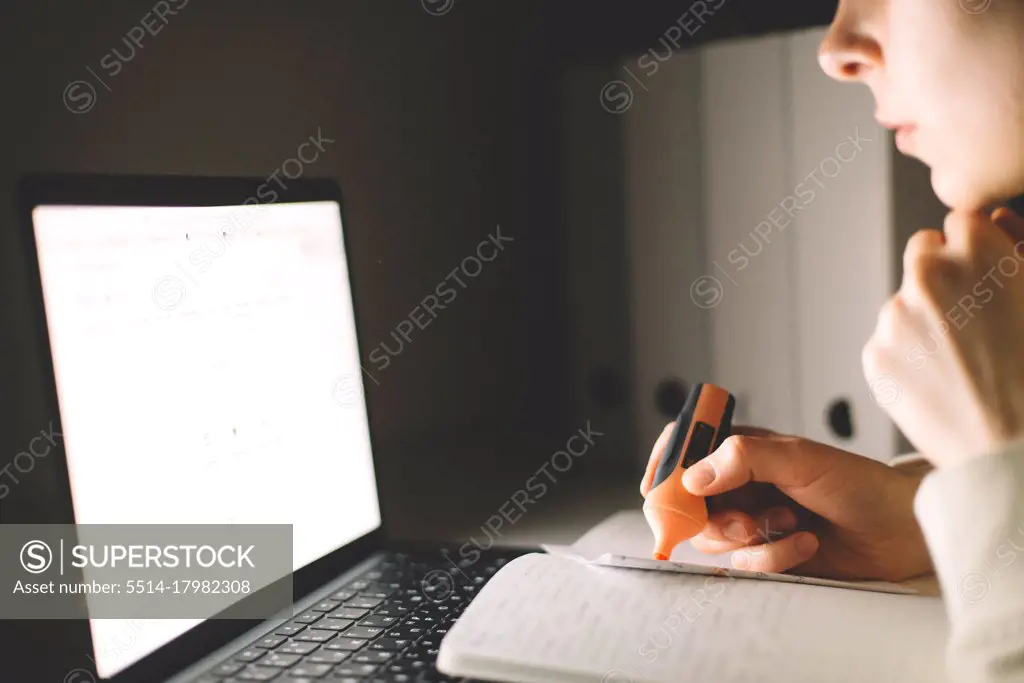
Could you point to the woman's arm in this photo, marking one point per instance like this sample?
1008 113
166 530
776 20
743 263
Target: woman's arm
961 403
972 516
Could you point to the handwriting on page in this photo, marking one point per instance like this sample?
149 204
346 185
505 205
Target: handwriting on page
556 614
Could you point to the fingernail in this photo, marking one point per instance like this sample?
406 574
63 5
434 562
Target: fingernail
735 531
806 544
701 475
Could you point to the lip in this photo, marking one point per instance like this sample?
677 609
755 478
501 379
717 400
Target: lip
905 138
904 133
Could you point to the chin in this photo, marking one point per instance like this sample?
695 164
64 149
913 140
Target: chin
958 192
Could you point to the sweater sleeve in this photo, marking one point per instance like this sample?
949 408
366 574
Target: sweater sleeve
972 516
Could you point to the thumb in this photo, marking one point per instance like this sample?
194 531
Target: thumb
808 472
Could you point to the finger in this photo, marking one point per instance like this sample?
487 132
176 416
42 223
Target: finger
922 247
732 530
733 527
748 430
652 462
1011 223
959 228
744 459
809 473
779 556
967 233
710 546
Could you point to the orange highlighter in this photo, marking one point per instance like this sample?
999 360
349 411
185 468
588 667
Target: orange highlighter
674 514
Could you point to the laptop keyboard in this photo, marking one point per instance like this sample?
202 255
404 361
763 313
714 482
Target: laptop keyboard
385 625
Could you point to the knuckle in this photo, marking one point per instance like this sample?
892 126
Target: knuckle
927 273
969 228
871 358
957 222
922 241
889 318
734 451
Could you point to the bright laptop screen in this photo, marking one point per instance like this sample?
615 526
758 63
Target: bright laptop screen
207 372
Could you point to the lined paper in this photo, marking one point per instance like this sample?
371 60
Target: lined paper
549 618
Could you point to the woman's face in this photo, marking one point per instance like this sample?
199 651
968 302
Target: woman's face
948 76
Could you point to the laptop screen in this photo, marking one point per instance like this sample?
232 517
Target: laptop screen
207 372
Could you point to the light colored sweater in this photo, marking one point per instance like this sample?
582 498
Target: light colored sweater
972 516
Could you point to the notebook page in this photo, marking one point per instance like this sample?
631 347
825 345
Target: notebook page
547 618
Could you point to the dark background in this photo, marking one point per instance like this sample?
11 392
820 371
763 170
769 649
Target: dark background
444 127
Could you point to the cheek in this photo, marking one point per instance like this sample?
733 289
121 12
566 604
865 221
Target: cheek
973 138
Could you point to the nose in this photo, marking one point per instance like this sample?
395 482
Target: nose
848 53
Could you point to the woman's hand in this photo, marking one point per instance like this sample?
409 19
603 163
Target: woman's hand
947 357
794 504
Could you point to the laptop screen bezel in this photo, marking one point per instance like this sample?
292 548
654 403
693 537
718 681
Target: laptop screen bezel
53 485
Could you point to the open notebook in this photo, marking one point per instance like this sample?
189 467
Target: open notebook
547 617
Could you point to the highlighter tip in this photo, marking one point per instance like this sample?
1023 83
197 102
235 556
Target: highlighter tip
660 556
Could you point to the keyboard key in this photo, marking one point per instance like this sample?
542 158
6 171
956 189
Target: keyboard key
358 585
328 657
343 595
363 632
364 603
386 585
348 644
257 673
249 655
268 642
379 620
289 629
375 594
312 635
308 617
432 675
353 669
310 670
325 606
373 657
390 678
407 665
330 624
294 648
227 668
279 659
349 613
409 631
390 644
422 620
390 611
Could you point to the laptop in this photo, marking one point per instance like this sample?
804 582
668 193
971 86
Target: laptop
207 326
